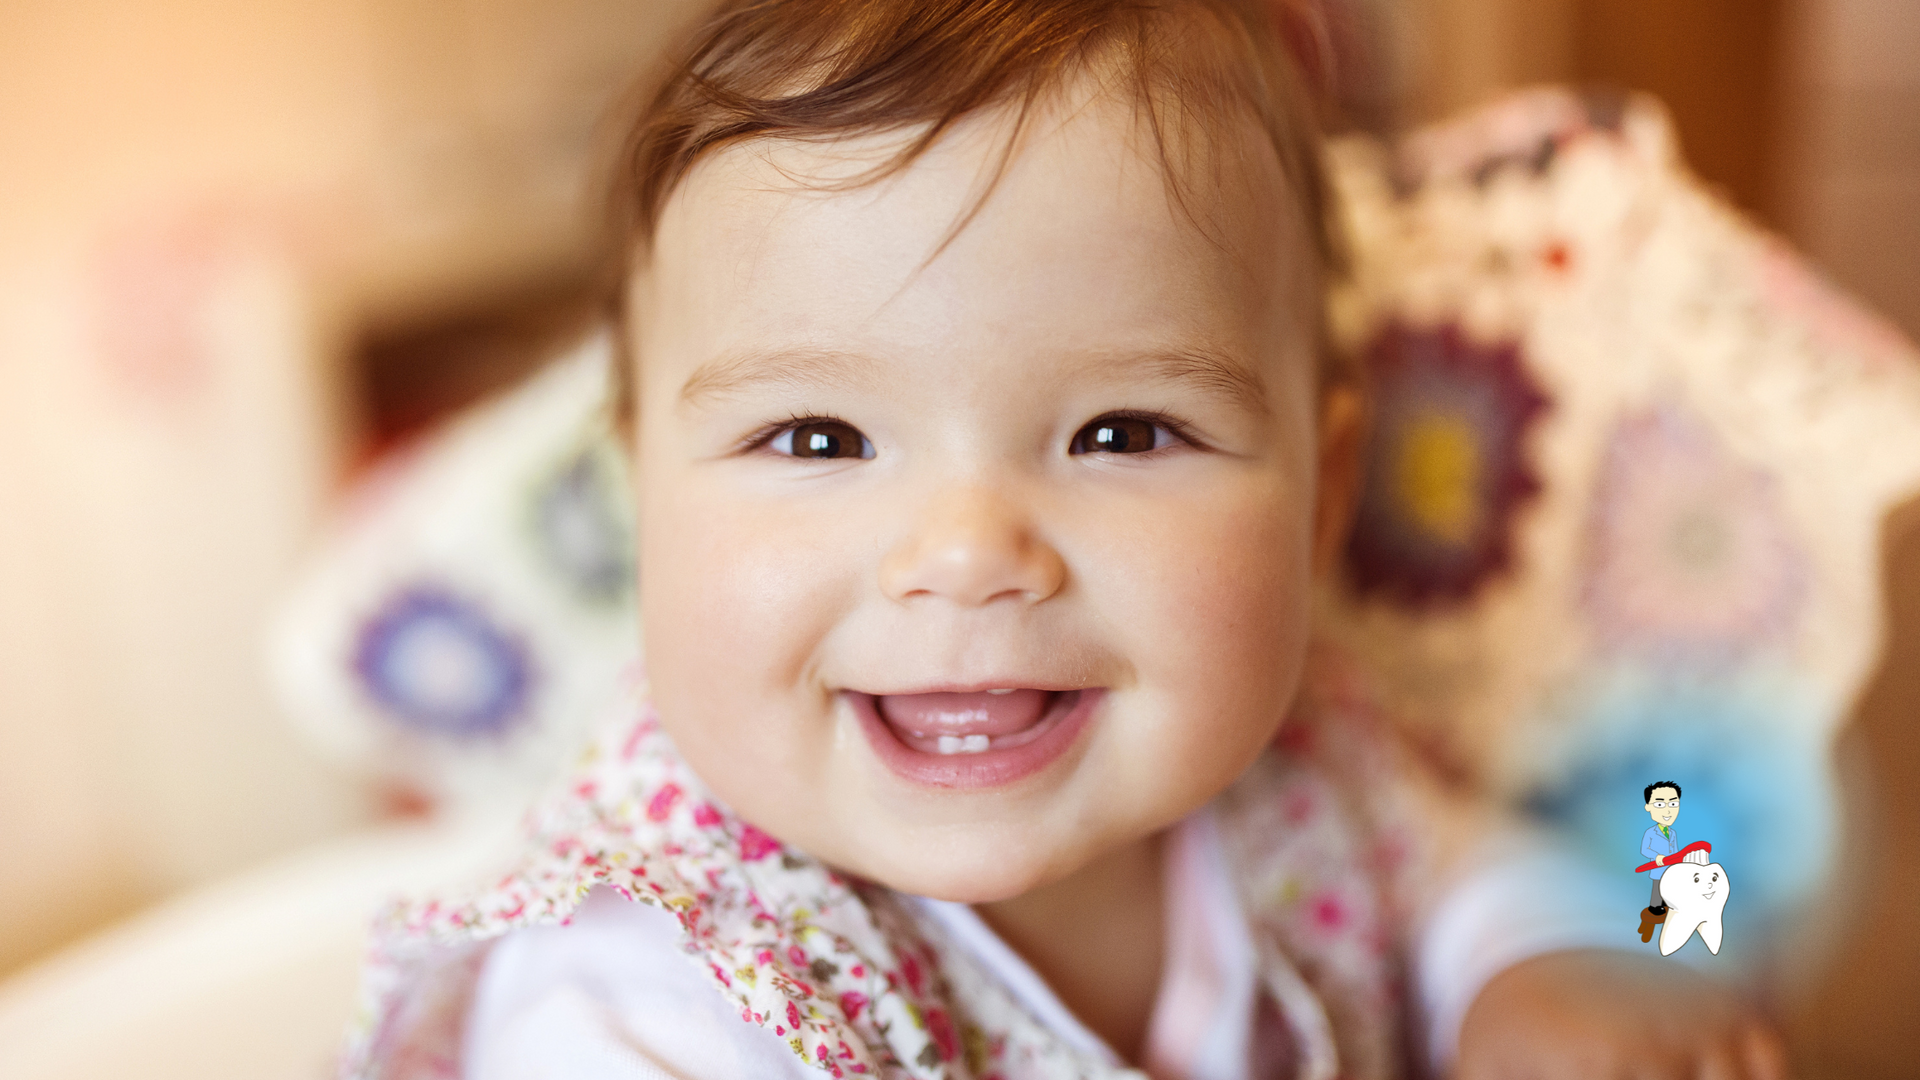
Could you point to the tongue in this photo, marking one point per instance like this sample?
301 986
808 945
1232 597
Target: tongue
964 714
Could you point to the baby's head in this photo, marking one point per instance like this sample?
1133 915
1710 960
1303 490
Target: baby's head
983 443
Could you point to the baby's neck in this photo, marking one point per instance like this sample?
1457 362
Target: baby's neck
1097 938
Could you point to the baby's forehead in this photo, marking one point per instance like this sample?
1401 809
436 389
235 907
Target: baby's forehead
1077 182
1078 250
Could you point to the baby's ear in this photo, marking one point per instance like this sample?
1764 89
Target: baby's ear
1342 443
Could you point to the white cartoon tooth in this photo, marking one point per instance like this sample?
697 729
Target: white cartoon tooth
1695 894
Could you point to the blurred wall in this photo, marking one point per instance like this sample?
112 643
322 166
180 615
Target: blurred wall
207 203
1849 184
1460 53
1849 193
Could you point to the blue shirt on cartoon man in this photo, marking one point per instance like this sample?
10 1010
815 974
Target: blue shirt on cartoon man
1660 840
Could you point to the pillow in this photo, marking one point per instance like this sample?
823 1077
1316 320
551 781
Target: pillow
473 606
1629 464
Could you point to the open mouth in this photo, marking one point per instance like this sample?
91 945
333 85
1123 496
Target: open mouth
973 739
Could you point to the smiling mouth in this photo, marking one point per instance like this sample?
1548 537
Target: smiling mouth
948 723
973 739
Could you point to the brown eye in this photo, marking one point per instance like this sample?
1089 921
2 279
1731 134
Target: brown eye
1117 435
822 439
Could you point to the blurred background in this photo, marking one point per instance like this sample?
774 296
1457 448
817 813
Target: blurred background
246 247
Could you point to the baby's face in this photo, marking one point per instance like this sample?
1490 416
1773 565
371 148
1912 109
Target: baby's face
960 575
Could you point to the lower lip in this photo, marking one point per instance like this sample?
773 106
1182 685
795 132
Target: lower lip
989 768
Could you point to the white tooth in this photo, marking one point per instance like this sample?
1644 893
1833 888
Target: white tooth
1710 932
1696 897
950 744
1008 690
975 744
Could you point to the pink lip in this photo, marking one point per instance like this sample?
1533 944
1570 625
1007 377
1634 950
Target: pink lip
1058 730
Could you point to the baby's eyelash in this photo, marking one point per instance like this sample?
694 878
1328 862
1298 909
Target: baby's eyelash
768 432
1179 428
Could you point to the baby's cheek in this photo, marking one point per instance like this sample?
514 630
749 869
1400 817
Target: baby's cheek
1235 606
733 607
746 588
1220 637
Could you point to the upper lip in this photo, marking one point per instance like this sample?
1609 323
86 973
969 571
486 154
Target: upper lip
975 687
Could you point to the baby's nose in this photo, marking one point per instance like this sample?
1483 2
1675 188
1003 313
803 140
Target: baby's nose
971 547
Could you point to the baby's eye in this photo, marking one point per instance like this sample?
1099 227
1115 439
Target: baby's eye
822 439
1121 435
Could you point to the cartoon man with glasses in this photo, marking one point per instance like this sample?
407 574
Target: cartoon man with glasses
1659 843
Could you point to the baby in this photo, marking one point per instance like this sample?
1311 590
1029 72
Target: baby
986 455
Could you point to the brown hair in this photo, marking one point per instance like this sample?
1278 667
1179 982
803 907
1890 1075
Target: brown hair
800 69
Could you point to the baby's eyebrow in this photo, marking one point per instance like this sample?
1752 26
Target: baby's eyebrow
1205 371
799 367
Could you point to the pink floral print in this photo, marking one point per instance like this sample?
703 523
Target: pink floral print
855 981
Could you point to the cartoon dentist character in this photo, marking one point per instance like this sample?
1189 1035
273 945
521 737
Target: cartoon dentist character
1689 893
1660 843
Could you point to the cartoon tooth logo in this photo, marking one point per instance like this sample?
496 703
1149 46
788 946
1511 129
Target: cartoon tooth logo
1695 892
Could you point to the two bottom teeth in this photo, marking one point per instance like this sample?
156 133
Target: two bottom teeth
964 744
953 724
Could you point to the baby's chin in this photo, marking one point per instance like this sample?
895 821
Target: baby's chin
970 864
980 884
